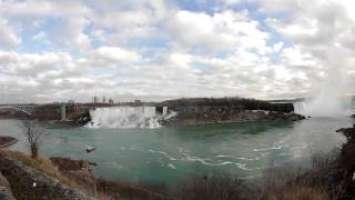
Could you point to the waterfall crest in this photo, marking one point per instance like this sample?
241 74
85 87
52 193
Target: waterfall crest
125 117
323 107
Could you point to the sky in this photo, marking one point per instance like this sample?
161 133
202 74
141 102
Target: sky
155 49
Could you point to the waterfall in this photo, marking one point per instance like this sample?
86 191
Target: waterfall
328 97
299 107
127 117
323 107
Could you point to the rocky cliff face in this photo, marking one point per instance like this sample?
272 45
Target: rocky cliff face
346 158
227 110
192 104
5 189
210 115
30 184
78 170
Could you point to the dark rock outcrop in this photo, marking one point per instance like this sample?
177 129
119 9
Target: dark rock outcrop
117 190
5 189
74 120
30 184
78 170
346 159
235 103
348 149
82 118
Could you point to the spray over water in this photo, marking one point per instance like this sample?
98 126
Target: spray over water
329 99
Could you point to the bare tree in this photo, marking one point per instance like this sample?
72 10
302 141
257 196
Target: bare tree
33 133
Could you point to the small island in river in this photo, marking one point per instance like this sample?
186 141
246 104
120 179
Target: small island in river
198 111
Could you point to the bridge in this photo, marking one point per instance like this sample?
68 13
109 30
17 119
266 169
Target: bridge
24 108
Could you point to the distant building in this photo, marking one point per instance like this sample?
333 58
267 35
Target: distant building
110 101
103 99
95 99
63 112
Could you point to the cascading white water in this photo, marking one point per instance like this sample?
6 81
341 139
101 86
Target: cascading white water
322 107
125 117
299 107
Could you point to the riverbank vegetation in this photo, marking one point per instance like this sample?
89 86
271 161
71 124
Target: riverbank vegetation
41 164
33 133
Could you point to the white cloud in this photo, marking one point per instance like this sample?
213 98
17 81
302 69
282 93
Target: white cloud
42 8
39 36
73 14
278 46
231 2
131 19
29 64
155 48
295 57
320 33
180 60
221 31
74 35
8 37
115 54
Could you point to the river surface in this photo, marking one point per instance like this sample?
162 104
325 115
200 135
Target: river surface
170 154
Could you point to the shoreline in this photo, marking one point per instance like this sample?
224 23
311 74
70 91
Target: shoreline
6 141
231 122
228 117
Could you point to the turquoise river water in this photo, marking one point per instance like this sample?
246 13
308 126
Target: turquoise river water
170 154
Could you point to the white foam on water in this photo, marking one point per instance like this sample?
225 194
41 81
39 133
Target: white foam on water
186 157
268 148
237 158
210 162
170 165
164 154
